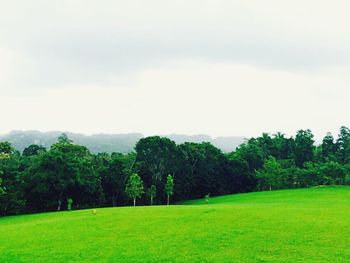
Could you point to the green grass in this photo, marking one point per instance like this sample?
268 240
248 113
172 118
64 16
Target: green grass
306 225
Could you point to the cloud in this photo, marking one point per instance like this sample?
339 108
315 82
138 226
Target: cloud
93 42
218 67
197 97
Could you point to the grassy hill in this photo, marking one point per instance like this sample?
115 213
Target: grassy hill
306 225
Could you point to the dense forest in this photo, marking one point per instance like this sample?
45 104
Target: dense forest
68 175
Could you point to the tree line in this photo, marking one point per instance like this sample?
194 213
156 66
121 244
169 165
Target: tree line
159 171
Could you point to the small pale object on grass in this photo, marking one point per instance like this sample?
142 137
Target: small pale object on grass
94 212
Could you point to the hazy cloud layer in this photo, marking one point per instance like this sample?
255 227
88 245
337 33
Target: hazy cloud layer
258 65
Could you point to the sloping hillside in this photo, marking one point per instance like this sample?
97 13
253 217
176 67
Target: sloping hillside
306 225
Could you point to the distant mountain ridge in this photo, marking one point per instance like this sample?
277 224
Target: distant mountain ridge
109 143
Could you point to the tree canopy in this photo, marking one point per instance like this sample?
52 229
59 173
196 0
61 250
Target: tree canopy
43 179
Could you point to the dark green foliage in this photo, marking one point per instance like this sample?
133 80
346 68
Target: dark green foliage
202 169
64 171
329 148
113 174
332 173
12 199
6 148
283 147
343 145
45 180
253 153
304 147
156 157
271 176
33 149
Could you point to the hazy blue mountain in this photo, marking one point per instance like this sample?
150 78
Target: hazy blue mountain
123 143
95 143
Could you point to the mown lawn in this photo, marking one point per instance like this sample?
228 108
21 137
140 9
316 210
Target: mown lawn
306 225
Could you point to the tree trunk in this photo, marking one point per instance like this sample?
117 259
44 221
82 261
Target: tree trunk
270 187
151 200
168 200
134 201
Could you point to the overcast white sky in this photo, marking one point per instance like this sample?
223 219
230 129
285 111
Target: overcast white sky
219 67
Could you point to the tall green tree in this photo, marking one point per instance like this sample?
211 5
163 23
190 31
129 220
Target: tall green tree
134 187
240 178
66 170
282 147
156 158
112 170
204 169
343 145
328 148
169 187
191 155
12 199
271 176
266 144
304 147
332 173
308 176
252 153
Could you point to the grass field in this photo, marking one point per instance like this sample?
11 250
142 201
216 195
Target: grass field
305 225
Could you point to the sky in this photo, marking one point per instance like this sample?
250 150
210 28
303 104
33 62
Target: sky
218 67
